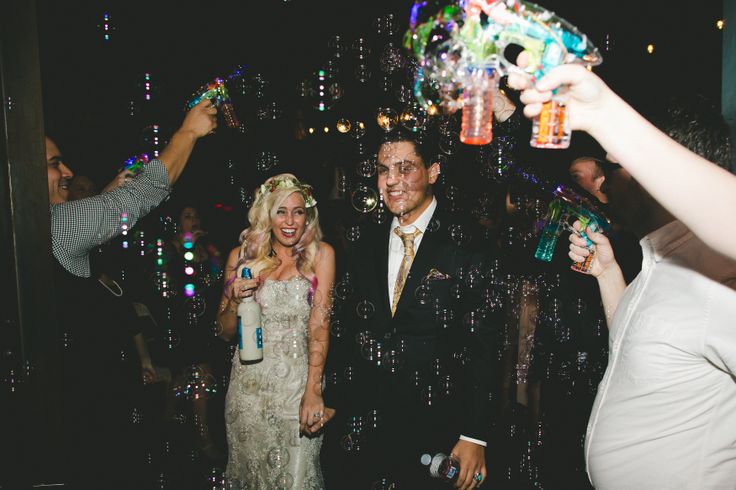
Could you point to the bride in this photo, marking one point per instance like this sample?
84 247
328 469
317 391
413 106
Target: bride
274 411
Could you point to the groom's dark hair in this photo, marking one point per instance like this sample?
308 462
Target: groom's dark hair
424 145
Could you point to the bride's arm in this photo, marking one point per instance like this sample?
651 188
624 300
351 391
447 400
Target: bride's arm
312 412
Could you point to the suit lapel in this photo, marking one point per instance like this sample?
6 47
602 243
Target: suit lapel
381 250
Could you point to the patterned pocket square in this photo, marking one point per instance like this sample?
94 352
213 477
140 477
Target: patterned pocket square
435 275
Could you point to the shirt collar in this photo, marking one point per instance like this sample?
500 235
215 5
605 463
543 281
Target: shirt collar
421 223
662 241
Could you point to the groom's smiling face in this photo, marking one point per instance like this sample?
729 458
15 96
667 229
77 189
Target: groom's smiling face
405 183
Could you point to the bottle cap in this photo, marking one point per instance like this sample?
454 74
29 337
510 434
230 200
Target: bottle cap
426 459
245 273
434 467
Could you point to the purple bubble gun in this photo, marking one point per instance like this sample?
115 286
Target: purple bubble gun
135 163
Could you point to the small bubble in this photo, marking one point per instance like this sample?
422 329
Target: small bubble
365 309
278 457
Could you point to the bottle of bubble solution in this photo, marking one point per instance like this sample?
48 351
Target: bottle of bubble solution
250 335
442 466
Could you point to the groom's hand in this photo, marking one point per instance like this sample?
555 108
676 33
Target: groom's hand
471 457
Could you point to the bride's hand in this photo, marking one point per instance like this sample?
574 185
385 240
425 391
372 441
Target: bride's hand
242 288
312 414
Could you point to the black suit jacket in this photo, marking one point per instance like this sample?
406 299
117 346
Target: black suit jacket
413 383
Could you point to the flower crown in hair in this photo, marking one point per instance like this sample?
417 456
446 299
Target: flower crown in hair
304 189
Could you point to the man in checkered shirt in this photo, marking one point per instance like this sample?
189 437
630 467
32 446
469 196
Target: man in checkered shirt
96 426
79 226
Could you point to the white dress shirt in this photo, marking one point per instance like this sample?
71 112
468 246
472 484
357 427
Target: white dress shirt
396 246
396 255
665 412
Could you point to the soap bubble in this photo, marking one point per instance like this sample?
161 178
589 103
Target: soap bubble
391 59
387 119
343 125
364 199
283 481
358 130
266 160
336 328
365 309
367 167
362 73
423 294
278 457
413 118
353 233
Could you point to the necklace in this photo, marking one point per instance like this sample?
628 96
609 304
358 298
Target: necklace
117 293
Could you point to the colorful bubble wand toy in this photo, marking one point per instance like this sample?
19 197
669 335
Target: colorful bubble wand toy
567 205
217 93
461 50
135 164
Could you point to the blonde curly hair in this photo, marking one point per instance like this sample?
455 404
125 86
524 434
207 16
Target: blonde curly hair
256 241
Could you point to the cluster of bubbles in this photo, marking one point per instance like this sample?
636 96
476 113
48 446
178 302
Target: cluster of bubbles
276 462
357 59
358 428
196 385
267 160
547 320
388 353
361 51
566 337
412 118
270 111
536 299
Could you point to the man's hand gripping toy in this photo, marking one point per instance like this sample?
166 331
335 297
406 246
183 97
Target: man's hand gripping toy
568 206
135 164
217 93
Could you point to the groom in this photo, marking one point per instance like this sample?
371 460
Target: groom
418 363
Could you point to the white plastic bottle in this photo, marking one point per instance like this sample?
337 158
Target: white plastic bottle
442 466
250 335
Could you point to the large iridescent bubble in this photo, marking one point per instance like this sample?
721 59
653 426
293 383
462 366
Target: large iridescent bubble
430 39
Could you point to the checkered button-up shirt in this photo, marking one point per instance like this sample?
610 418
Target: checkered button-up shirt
79 226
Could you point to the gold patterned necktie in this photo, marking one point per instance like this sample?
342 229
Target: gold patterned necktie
408 241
